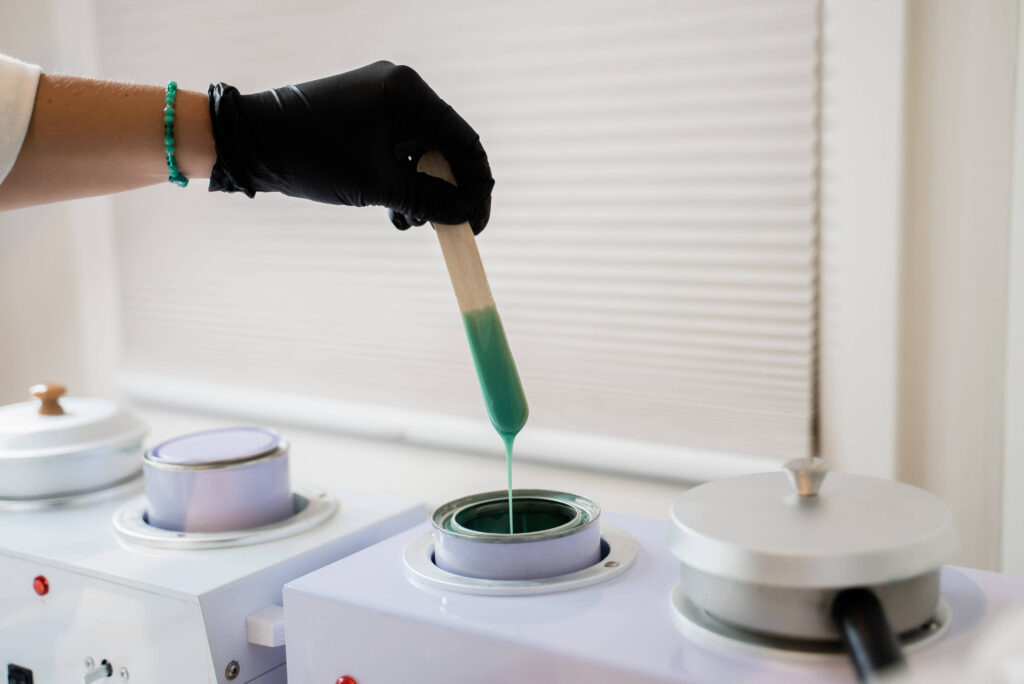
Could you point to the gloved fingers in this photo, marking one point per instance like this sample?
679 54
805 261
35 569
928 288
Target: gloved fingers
398 220
431 123
476 182
461 146
408 153
403 222
420 198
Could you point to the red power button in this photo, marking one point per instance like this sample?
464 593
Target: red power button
41 585
345 679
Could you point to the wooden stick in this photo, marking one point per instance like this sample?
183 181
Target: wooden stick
458 245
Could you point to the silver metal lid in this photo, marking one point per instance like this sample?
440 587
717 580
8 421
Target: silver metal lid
843 530
217 448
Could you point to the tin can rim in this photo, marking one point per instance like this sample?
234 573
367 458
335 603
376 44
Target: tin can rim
280 449
587 514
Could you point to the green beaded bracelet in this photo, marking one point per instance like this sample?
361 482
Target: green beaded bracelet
172 162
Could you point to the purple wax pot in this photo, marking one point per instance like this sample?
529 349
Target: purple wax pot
219 480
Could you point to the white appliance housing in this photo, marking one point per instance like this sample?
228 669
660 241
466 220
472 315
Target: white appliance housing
159 615
365 618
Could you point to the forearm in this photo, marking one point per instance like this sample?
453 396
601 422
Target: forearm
90 137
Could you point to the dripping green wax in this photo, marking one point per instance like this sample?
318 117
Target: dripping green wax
499 381
508 439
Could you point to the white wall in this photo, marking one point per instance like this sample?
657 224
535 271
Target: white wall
916 128
57 297
1013 462
961 60
39 317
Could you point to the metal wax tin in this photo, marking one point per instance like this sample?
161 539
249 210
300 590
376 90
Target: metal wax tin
218 480
560 534
769 551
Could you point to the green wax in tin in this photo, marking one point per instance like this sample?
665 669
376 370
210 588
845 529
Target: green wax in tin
531 516
499 381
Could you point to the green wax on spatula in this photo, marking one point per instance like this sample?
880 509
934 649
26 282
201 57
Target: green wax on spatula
499 381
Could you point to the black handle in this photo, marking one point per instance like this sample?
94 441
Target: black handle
866 634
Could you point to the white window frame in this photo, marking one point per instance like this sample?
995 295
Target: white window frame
861 235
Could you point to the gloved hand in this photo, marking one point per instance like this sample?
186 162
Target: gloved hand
353 139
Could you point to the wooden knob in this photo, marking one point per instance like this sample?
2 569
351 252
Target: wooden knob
49 393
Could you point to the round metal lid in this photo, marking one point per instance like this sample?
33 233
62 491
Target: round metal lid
216 447
811 531
56 425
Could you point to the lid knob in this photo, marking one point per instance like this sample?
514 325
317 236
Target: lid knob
806 474
49 393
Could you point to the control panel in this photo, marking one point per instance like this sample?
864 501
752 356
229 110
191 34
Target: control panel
104 626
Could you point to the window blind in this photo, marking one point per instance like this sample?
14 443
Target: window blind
652 246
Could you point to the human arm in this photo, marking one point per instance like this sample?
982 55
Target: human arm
353 138
88 137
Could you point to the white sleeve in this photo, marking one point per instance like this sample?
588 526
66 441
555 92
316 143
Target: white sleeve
18 82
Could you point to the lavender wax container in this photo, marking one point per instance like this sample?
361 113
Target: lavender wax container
218 480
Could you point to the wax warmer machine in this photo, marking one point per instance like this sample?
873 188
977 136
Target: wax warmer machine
415 607
99 582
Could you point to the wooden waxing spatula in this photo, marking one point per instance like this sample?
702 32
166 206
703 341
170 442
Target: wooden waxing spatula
495 367
458 244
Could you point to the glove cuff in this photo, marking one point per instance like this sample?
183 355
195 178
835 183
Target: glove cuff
229 172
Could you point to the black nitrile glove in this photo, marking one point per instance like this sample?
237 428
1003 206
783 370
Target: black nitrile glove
353 139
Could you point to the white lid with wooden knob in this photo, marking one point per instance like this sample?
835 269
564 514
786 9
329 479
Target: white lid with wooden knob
55 444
